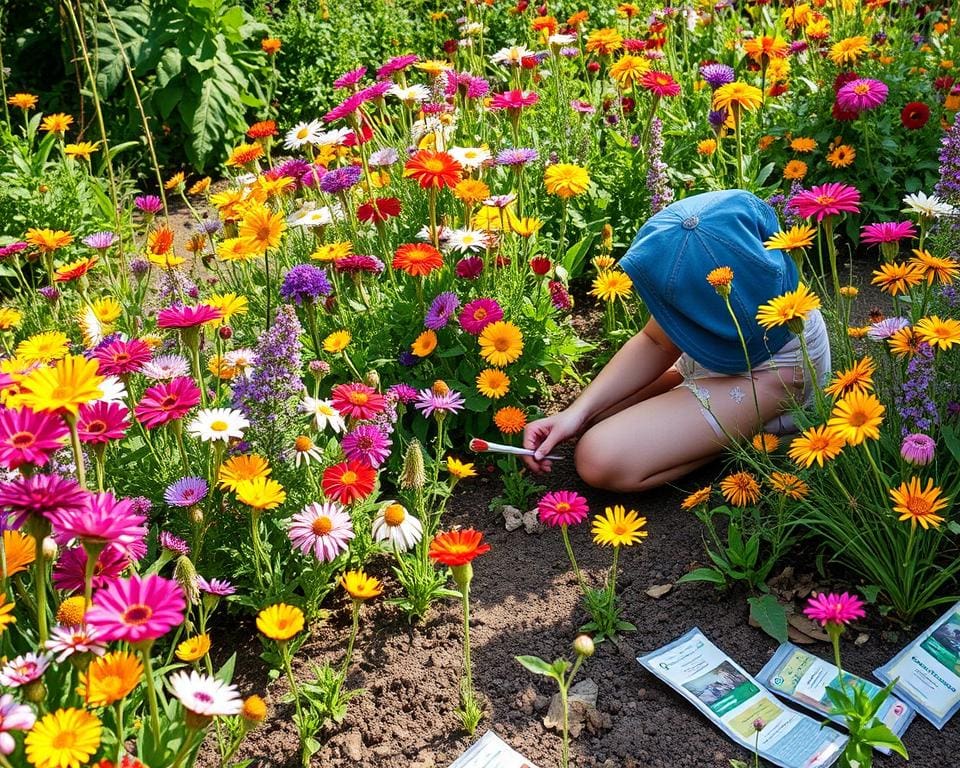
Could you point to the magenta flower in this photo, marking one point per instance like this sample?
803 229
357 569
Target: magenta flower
137 609
100 422
862 94
68 572
562 508
396 64
323 530
351 78
122 356
470 268
103 520
215 587
167 401
356 400
29 438
345 108
834 609
918 449
41 495
174 544
13 249
24 669
149 204
513 101
403 392
187 316
430 401
887 232
367 443
13 717
478 314
826 200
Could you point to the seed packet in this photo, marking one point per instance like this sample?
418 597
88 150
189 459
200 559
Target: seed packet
490 751
737 704
927 671
802 678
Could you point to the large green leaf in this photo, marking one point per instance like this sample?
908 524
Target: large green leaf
770 615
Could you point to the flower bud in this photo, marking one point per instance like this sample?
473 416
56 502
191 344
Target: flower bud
196 515
35 692
414 474
440 388
185 575
583 646
49 548
372 379
254 711
225 332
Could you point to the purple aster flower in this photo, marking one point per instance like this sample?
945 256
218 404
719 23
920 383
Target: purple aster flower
884 329
430 402
407 359
717 74
149 204
516 157
403 392
441 310
798 46
340 179
918 449
139 267
383 157
569 52
293 168
12 249
174 544
166 367
396 64
717 118
305 283
100 241
351 78
209 226
216 587
948 186
49 292
186 492
366 443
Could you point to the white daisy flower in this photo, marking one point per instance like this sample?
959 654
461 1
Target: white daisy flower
559 41
471 29
217 424
242 359
396 527
296 218
466 240
332 138
470 158
113 391
511 56
204 695
305 451
412 94
324 414
302 134
930 206
443 234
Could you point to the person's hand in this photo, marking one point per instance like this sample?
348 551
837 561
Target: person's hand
543 435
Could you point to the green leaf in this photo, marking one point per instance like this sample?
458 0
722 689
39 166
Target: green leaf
537 665
225 673
712 575
770 615
879 735
576 255
950 438
870 593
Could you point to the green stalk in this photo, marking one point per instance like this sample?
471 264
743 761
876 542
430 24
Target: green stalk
151 692
573 560
118 716
353 638
71 420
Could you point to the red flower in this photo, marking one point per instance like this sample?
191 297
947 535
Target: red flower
432 169
514 101
454 548
660 84
379 210
349 481
417 259
843 78
262 130
357 401
843 115
540 265
914 115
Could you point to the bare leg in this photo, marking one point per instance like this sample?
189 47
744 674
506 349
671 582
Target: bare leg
669 379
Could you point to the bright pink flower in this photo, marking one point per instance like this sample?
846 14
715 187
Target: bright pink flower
367 443
103 520
187 316
351 78
478 314
834 609
660 84
887 232
71 565
345 108
24 669
41 495
29 438
862 94
826 200
167 401
137 609
121 357
514 101
357 401
101 422
13 717
562 508
918 449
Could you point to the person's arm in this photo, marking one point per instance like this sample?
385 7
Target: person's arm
638 363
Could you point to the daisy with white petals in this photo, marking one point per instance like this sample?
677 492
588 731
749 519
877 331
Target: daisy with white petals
470 158
218 424
323 413
205 696
411 94
927 206
323 530
466 240
395 527
302 134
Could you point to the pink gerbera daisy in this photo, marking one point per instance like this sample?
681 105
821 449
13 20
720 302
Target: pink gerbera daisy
862 94
478 314
562 508
29 438
513 101
324 530
137 609
101 422
41 495
122 356
660 84
887 232
838 610
71 565
167 401
103 520
64 642
367 443
24 669
351 78
187 316
826 200
357 401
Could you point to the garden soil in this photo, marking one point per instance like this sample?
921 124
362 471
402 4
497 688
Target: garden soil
525 600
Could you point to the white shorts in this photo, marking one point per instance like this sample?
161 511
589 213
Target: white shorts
789 359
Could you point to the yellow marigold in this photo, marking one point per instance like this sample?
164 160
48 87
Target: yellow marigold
360 586
332 251
611 285
740 489
262 228
459 469
337 341
764 48
493 383
939 334
799 236
245 154
72 611
942 269
10 318
736 97
919 505
897 277
194 648
81 149
765 442
857 417
842 156
236 469
849 50
280 622
261 493
107 309
235 249
501 343
628 69
618 528
22 100
566 180
48 240
424 344
604 41
697 498
20 549
200 187
707 147
471 191
110 678
858 378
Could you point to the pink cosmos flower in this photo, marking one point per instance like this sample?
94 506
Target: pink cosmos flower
345 108
69 570
29 438
396 64
430 401
478 314
887 232
187 316
862 94
24 669
64 642
367 443
137 609
323 530
834 609
826 200
167 401
205 695
44 495
513 101
122 356
357 401
103 520
918 449
101 422
562 508
13 717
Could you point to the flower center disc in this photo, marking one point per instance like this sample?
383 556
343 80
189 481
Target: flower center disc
918 507
137 614
219 426
395 514
348 477
22 439
321 526
358 398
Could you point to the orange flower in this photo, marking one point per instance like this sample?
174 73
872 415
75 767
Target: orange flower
244 154
456 548
20 550
48 240
160 241
510 420
432 169
417 259
762 49
75 269
270 45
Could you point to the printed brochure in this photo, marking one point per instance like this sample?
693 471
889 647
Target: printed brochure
802 678
927 671
491 752
734 701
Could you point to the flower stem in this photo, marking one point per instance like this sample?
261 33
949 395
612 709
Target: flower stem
151 692
573 560
75 448
353 638
118 716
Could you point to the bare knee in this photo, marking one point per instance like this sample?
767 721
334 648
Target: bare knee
599 467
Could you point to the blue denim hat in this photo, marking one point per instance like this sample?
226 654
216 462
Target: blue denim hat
668 263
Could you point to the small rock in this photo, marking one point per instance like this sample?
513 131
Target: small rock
659 590
353 746
581 701
512 517
426 760
861 639
541 702
525 700
531 521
